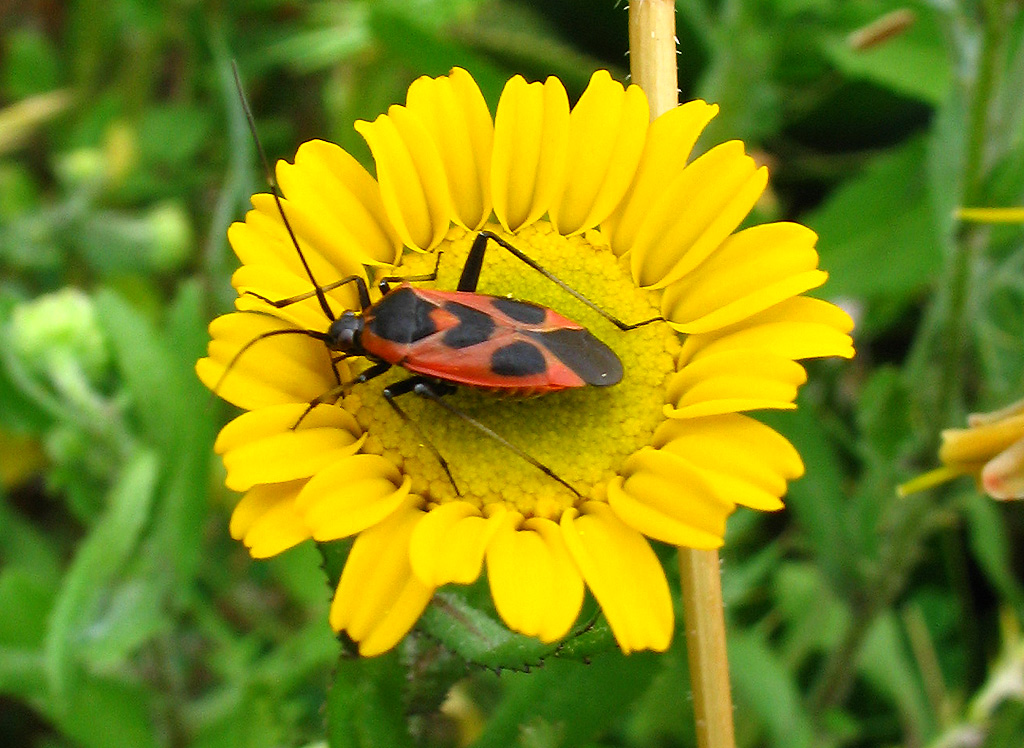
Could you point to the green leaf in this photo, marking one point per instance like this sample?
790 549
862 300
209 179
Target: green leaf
30 63
1006 725
185 502
21 673
580 701
764 686
991 547
158 368
739 77
889 667
478 637
334 555
104 712
174 133
107 547
594 639
252 721
427 53
817 501
23 590
132 614
365 707
883 416
814 615
914 63
147 368
877 232
19 414
25 546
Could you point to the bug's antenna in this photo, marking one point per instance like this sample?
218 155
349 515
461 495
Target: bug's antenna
272 182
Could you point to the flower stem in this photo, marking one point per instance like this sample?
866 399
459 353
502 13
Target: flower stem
705 645
652 49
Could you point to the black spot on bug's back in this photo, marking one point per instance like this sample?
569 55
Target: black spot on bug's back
592 360
474 326
402 317
519 359
521 311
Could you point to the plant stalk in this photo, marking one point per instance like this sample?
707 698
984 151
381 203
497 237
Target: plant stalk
652 49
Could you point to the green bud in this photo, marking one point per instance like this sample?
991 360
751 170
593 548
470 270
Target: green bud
50 331
171 236
81 167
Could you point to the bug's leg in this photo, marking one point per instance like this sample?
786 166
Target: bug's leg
471 275
424 278
404 387
364 294
433 391
342 388
335 360
384 284
318 290
474 262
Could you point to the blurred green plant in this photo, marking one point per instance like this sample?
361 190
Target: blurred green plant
856 619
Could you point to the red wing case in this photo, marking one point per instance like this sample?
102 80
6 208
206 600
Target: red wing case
489 342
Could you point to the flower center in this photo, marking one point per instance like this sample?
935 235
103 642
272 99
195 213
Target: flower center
582 435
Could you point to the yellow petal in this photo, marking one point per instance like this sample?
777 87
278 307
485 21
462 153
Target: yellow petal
747 462
449 543
411 175
378 597
265 519
270 421
695 214
278 285
607 129
670 139
731 381
980 443
272 267
264 240
352 494
336 206
285 368
992 416
535 584
454 113
625 576
531 134
797 328
665 496
265 446
752 271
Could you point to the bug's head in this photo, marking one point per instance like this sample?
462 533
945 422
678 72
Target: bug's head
344 333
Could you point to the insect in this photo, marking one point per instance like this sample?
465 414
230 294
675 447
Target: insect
448 339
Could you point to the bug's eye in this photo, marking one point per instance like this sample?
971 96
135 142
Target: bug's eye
343 333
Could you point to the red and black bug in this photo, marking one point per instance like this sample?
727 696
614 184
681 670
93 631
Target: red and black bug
447 339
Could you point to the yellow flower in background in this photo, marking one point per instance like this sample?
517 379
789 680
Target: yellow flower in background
607 202
991 449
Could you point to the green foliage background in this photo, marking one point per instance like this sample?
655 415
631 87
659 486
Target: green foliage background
129 618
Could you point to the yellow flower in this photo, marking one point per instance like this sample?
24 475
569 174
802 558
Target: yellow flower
605 201
991 449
